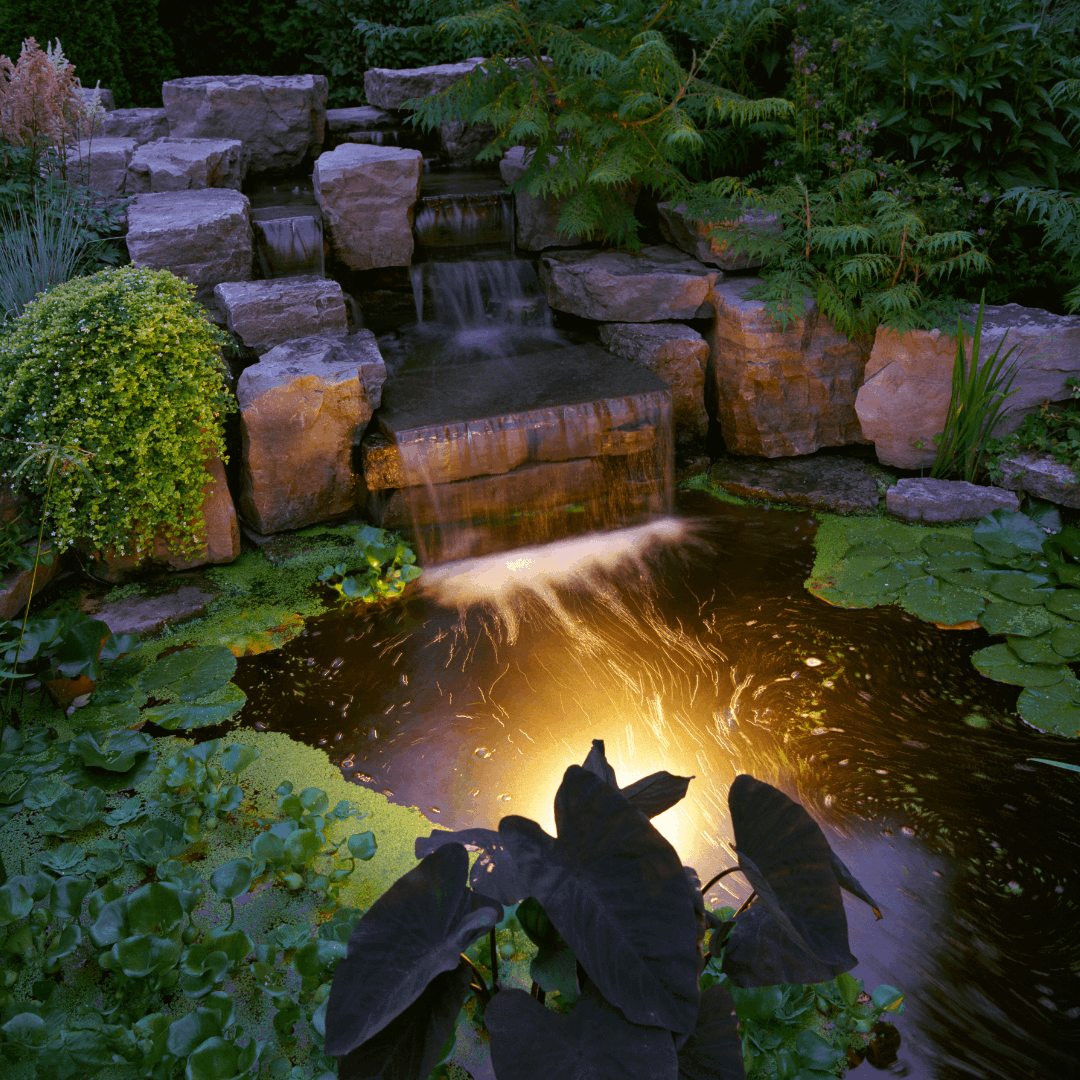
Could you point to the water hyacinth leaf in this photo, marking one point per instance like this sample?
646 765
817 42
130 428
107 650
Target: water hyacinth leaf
192 1030
1053 709
154 908
817 1053
189 715
493 872
784 855
1035 650
410 1046
313 958
363 846
235 944
16 900
714 1049
189 674
65 943
1000 663
939 601
416 930
1021 620
529 1041
233 879
1065 602
616 891
1066 641
144 955
1005 534
67 895
301 846
847 881
215 1059
238 757
1022 588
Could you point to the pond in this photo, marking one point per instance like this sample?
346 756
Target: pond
690 644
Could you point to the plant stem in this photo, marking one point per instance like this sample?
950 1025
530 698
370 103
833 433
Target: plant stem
745 904
723 874
480 985
494 958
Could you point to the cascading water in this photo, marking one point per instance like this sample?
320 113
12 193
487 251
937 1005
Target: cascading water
288 244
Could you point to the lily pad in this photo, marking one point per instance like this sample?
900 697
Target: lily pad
1005 617
937 544
189 674
957 560
882 585
188 716
1035 650
1006 534
1054 709
976 580
1000 663
1065 602
1066 641
1022 588
940 602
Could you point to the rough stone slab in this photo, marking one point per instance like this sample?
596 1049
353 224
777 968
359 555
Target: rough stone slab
482 419
263 314
368 196
944 502
142 125
303 407
148 615
460 143
390 88
280 119
99 95
15 588
838 485
203 236
693 236
905 397
102 163
678 354
171 164
781 393
1040 475
661 283
359 118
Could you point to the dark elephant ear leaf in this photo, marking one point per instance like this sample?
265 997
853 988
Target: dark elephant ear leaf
492 873
760 953
616 891
413 932
714 1049
530 1042
657 792
848 881
409 1047
784 855
597 764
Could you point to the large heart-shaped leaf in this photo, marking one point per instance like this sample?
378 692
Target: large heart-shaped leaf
187 716
616 891
940 602
714 1049
530 1042
1008 533
847 881
1000 663
409 1047
784 855
189 674
416 930
1054 709
493 872
652 794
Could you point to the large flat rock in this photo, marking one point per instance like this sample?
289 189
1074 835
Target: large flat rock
263 314
359 118
368 197
148 615
391 88
904 400
838 485
172 164
781 393
203 236
726 250
280 119
929 501
142 125
1040 475
488 418
102 163
661 283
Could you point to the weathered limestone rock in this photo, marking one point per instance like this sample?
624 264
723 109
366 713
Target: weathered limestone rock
180 164
203 236
15 587
943 502
390 88
98 95
263 314
1040 475
280 119
905 398
678 354
303 407
781 393
728 253
661 283
142 125
368 196
358 118
460 143
836 484
148 615
102 164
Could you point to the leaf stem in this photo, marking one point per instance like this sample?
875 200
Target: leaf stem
494 959
745 904
723 874
480 985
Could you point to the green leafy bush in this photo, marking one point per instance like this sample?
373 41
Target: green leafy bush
1053 430
379 568
124 366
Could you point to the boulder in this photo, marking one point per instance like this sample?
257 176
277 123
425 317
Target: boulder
98 95
1040 475
12 500
460 143
262 314
303 407
678 354
658 284
904 401
781 393
838 485
280 119
142 125
203 236
390 88
15 587
102 164
181 164
359 118
944 502
148 615
723 251
368 196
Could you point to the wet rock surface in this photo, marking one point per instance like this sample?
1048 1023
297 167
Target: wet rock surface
781 393
1040 475
263 314
943 502
102 163
826 482
390 88
725 251
148 615
142 125
172 164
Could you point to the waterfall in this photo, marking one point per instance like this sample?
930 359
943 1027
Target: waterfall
289 246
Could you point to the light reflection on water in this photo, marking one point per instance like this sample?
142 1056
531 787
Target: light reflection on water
684 645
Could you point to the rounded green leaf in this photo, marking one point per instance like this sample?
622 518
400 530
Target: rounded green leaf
1022 588
155 906
235 944
937 544
1000 663
957 560
1065 602
362 846
1008 533
1005 617
302 845
189 674
317 956
1066 641
16 901
214 1059
1054 709
192 1031
188 716
1035 650
233 879
939 602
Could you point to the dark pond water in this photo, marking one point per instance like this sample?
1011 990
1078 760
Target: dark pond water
704 655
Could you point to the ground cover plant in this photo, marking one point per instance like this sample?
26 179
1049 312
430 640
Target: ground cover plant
1053 429
619 926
